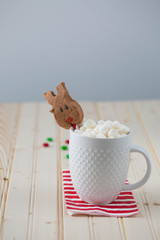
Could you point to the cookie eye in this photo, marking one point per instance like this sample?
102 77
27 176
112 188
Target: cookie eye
66 107
60 109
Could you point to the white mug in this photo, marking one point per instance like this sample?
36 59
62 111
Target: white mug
99 167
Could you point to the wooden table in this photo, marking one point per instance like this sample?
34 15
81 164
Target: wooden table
32 203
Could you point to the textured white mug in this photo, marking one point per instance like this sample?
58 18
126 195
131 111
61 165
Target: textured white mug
99 167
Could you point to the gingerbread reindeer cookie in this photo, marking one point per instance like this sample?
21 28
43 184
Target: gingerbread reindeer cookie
67 112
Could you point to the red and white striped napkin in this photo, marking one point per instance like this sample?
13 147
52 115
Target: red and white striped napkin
123 206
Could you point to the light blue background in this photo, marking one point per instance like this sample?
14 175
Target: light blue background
103 50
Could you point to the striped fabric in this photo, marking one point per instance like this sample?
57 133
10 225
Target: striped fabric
123 206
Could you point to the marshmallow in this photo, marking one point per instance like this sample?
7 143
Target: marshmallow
103 130
88 134
100 136
112 133
108 124
123 135
82 129
77 127
77 131
100 122
123 129
90 123
96 129
116 125
89 130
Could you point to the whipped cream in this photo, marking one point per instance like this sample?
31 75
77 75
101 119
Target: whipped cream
102 129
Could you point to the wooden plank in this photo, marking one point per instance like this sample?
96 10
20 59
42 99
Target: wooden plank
125 114
8 121
15 221
9 116
93 227
32 202
148 113
149 117
44 220
107 228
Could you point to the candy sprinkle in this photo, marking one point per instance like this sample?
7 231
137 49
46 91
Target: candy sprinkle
67 141
49 139
45 145
64 147
67 156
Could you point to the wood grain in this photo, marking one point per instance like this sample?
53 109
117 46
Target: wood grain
9 119
32 204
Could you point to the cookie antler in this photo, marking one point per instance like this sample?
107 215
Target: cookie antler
50 96
62 91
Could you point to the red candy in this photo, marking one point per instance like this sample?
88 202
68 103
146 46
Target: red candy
67 141
69 120
45 145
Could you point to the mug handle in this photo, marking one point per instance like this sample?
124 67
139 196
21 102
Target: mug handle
148 171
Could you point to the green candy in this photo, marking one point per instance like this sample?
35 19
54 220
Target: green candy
49 139
67 156
64 147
